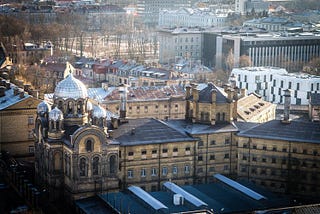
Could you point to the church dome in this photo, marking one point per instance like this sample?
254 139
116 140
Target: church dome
99 112
71 87
43 107
55 114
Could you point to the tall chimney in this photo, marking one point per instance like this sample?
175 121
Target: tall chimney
123 101
286 110
195 92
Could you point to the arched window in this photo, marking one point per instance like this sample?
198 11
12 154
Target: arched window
89 145
57 161
95 166
112 162
70 107
83 167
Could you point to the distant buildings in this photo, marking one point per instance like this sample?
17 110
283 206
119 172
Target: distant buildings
148 10
180 42
249 6
268 49
271 82
275 24
189 17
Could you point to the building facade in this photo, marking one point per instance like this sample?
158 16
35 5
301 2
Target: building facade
180 42
17 112
189 17
270 83
268 49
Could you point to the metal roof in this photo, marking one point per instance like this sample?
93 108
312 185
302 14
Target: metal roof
239 187
143 195
296 131
189 197
10 99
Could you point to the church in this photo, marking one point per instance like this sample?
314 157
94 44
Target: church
78 153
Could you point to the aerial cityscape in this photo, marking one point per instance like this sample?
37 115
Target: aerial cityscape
160 106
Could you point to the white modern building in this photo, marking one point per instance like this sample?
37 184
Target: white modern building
270 82
188 17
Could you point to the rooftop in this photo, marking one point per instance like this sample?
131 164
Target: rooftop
217 197
296 131
10 98
147 131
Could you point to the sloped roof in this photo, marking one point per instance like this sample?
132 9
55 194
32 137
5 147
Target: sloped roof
296 131
205 94
252 105
147 131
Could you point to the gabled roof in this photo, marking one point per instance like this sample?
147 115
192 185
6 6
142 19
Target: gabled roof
10 99
205 94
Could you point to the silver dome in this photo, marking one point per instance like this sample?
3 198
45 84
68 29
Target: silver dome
55 114
43 107
71 87
99 112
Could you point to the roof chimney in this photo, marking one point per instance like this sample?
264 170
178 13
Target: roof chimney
195 92
123 101
243 92
188 91
15 91
8 85
286 110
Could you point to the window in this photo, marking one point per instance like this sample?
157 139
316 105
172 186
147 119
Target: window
143 152
212 157
175 149
95 166
315 152
164 150
83 167
227 141
294 150
89 145
244 157
274 149
199 170
130 173
143 172
226 167
187 169
112 164
30 120
200 143
305 151
264 160
213 142
130 153
254 146
187 149
226 156
281 84
290 85
200 158
298 86
174 170
283 161
31 149
154 151
245 145
264 147
273 160
153 172
284 149
254 159
164 171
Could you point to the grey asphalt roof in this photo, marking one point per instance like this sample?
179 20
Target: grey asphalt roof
205 94
297 131
147 131
197 128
